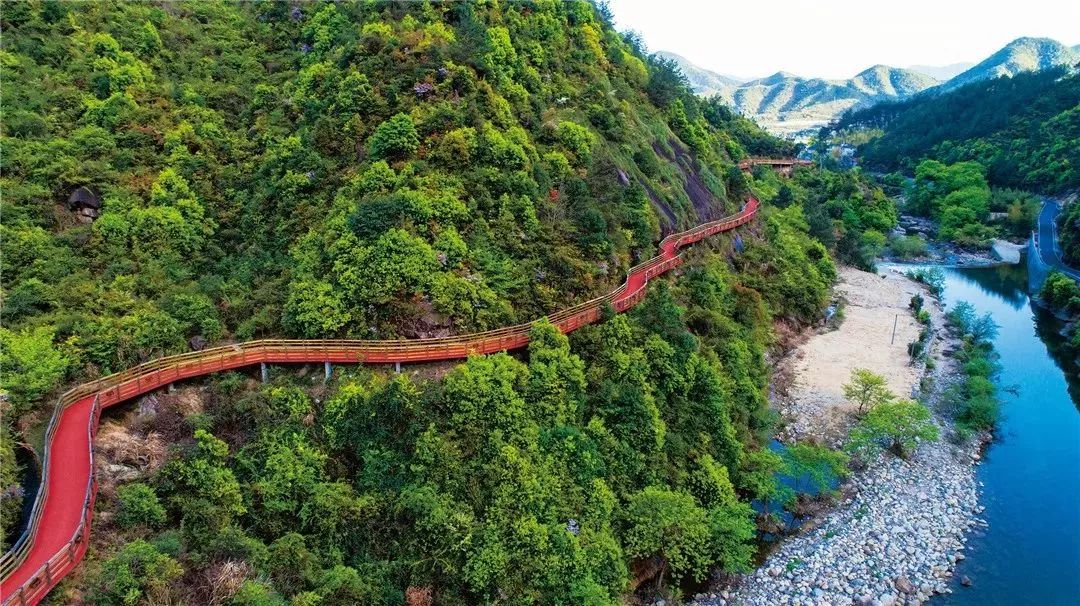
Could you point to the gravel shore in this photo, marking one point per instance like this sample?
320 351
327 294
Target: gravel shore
895 537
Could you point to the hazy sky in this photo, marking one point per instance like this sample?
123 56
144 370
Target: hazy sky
839 38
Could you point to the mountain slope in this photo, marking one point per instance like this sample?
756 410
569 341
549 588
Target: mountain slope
882 81
942 73
1020 55
702 81
182 173
784 102
452 158
1023 129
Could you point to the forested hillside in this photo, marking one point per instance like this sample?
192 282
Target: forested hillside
177 174
1069 232
1022 129
365 170
547 480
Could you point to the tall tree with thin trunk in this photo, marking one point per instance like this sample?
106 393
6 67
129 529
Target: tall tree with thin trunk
867 389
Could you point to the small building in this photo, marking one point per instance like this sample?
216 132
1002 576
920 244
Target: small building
85 203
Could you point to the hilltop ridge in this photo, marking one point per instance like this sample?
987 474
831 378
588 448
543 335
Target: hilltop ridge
1021 55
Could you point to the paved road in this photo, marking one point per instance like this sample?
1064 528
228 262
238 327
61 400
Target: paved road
1046 241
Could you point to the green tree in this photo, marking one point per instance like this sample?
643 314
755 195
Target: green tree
394 139
668 524
397 266
30 365
10 486
290 563
255 593
314 309
898 426
196 314
1059 290
285 480
577 140
202 489
139 506
732 534
556 377
344 586
485 395
757 477
139 572
813 468
967 321
867 390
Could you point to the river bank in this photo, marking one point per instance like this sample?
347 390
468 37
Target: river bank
899 529
948 254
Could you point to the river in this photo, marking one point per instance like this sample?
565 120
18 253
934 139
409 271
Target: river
1030 474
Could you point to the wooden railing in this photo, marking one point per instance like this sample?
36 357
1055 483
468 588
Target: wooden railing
774 162
151 375
56 567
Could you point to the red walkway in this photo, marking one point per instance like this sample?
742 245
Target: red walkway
60 524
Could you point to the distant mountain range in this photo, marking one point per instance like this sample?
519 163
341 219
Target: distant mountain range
788 104
785 102
1020 55
942 73
703 81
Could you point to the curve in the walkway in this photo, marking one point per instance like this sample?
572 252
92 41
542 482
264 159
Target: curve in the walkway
58 534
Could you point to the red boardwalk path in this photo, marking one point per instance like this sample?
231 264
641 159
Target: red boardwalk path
60 526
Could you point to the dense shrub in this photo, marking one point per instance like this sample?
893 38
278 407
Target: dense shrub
897 426
974 401
1061 291
908 247
138 506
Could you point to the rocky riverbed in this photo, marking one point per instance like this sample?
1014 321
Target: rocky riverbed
894 541
946 253
894 538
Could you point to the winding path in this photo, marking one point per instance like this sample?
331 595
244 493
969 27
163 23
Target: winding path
58 534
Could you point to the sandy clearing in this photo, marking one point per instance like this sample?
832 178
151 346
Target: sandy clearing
814 403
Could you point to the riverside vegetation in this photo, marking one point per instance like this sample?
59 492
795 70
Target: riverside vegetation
1062 294
401 170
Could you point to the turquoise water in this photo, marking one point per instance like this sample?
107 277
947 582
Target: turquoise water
1030 553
